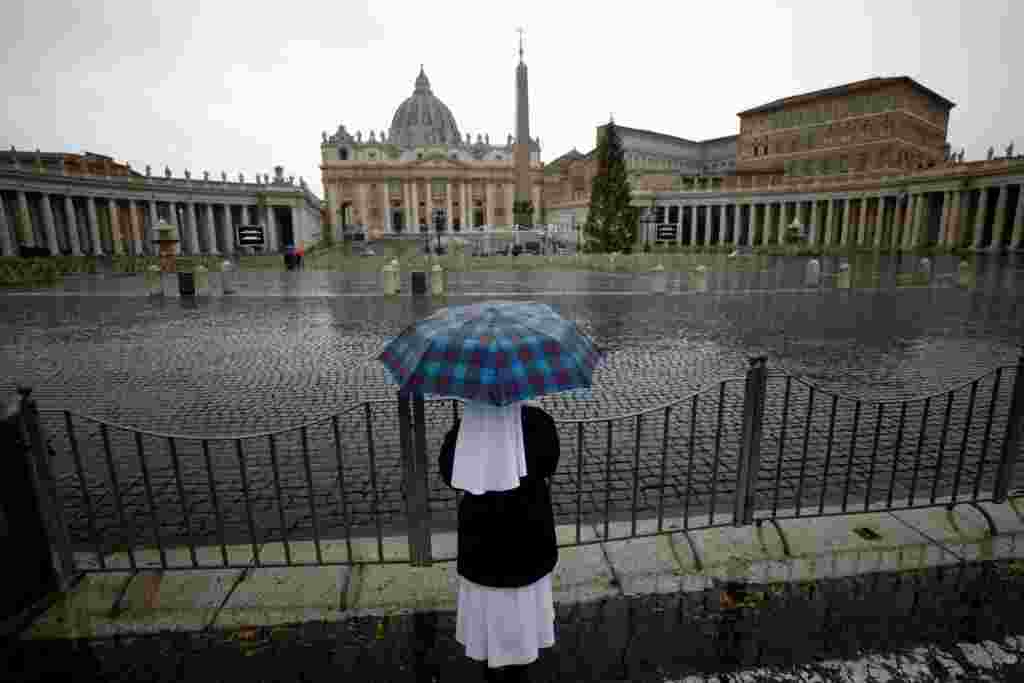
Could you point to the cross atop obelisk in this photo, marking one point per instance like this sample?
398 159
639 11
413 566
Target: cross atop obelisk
520 31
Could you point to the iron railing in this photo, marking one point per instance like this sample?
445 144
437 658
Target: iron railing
362 486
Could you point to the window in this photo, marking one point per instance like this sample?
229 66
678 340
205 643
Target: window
343 154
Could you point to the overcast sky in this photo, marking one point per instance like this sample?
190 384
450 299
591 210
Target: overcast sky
242 86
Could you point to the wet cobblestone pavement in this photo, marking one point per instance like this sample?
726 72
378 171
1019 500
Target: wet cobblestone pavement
255 364
959 623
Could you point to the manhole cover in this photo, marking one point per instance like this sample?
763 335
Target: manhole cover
867 534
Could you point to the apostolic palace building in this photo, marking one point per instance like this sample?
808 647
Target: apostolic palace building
862 164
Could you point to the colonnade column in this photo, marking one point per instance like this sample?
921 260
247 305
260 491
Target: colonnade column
94 226
464 204
908 222
272 245
766 223
72 223
6 245
979 217
707 223
415 217
723 214
844 237
133 220
955 218
679 227
780 237
1017 239
828 230
388 227
862 223
30 235
229 233
510 198
211 238
879 222
999 223
947 201
490 190
535 193
115 228
150 234
48 225
813 231
448 198
751 224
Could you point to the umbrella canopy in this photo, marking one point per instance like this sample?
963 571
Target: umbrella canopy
497 352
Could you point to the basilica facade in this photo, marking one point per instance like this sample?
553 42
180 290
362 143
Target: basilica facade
422 174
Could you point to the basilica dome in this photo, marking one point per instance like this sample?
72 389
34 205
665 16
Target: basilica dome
423 119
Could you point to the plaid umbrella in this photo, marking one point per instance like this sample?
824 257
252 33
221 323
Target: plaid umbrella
497 352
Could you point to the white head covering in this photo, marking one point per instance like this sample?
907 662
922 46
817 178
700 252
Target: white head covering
489 452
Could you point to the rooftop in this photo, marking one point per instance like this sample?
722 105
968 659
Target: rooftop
867 84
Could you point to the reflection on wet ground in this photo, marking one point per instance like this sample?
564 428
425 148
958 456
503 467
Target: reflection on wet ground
792 628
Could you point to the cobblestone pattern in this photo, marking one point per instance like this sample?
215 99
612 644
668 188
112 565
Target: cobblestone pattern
956 623
252 365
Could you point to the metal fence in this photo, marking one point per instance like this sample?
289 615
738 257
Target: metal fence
362 486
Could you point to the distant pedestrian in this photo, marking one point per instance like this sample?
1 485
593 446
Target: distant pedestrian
502 457
300 252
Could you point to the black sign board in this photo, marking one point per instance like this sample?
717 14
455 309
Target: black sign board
667 232
250 235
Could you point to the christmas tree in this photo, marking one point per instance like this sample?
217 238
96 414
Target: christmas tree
611 221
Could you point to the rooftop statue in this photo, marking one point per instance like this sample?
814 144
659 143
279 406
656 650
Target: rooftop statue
188 174
241 177
991 152
206 176
223 177
149 170
167 172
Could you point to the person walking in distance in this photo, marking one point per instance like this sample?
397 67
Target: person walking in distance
502 458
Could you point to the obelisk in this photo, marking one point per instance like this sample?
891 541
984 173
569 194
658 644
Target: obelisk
522 148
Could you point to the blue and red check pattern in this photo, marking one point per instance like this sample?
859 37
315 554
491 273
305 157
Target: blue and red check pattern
498 352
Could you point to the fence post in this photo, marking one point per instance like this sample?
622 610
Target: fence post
1014 426
750 446
34 538
413 442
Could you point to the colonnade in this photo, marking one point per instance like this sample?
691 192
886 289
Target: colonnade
98 225
989 217
367 198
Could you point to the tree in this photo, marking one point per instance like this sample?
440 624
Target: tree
611 221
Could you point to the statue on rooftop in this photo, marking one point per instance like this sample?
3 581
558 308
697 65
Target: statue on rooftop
1009 150
323 136
991 152
188 174
167 172
241 177
149 170
223 177
206 176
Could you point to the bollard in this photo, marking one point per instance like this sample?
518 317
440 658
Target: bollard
966 277
924 272
398 275
660 279
813 272
202 280
227 278
153 283
699 279
437 280
389 279
843 277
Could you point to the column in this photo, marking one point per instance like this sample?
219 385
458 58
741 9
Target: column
190 239
115 227
490 203
707 223
150 233
362 197
49 226
1017 239
72 223
6 244
862 224
908 222
829 227
464 207
920 219
536 205
813 231
751 224
133 217
679 226
94 226
415 216
211 238
844 236
879 222
229 233
955 218
406 207
272 245
781 237
510 198
979 217
944 219
999 223
766 224
723 215
30 235
897 223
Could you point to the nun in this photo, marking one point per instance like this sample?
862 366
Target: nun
502 458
